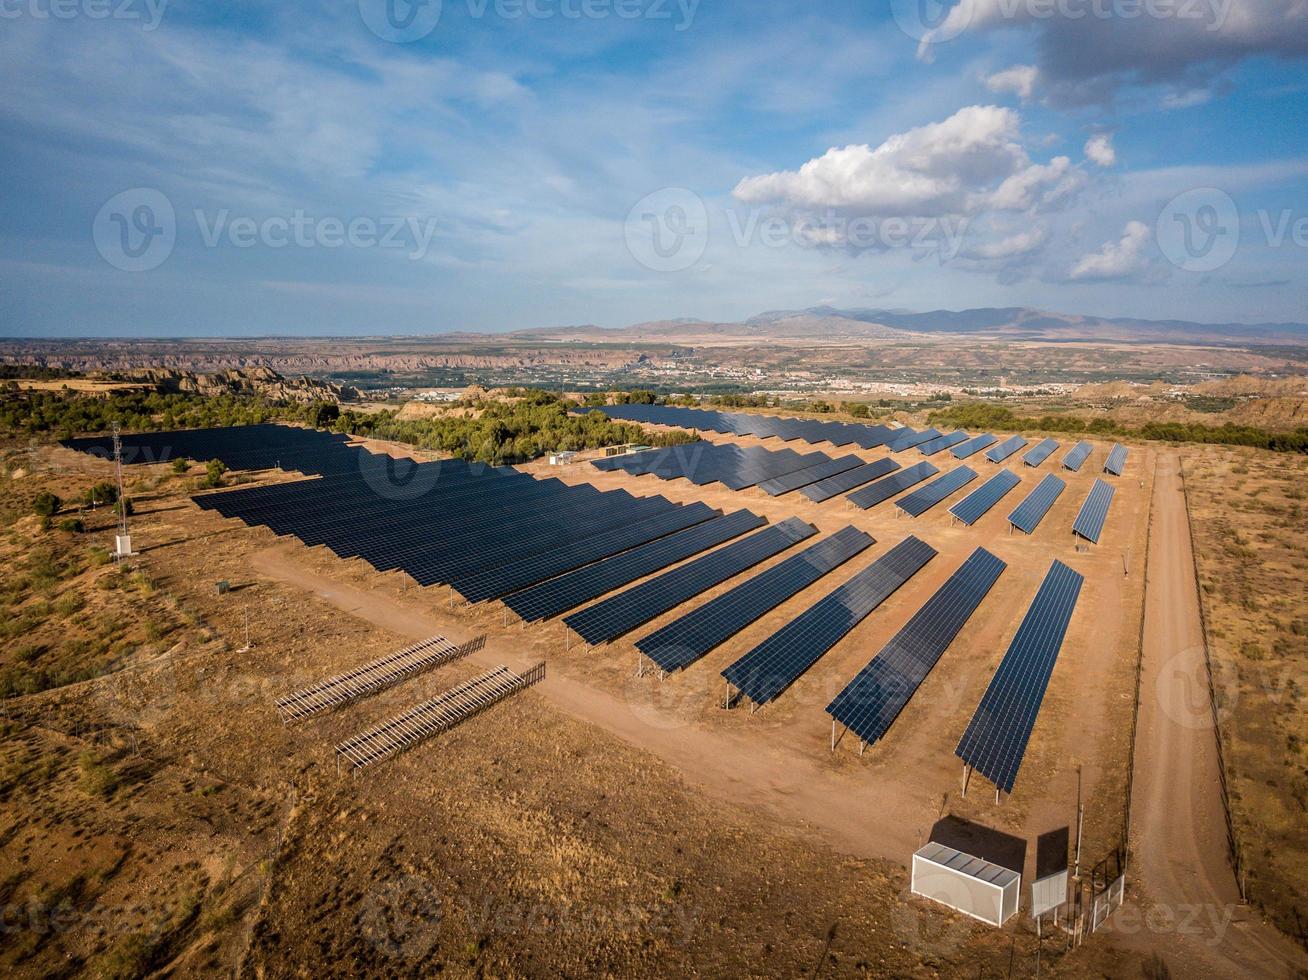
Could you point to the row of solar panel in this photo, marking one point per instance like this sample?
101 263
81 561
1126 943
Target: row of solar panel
541 545
996 737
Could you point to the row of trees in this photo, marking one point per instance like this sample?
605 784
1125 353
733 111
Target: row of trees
982 415
499 432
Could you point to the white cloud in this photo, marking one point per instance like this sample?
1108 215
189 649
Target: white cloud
1115 260
974 160
1019 80
1021 243
1099 149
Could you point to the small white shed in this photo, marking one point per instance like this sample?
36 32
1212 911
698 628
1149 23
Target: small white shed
965 883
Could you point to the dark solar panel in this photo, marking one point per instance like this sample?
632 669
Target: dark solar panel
776 663
810 474
920 501
972 446
971 508
935 445
871 702
997 736
1089 523
1040 452
612 617
997 454
491 583
886 488
567 591
1029 513
685 640
1076 456
1116 461
848 480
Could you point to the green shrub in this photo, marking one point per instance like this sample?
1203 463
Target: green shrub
46 504
214 471
73 525
181 465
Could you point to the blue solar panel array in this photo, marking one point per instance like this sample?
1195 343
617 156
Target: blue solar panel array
871 702
1040 452
1031 511
972 446
920 501
906 438
1089 523
567 591
1116 461
489 532
886 488
750 424
971 508
612 617
942 442
811 474
776 663
996 738
705 462
683 641
849 479
1076 456
997 454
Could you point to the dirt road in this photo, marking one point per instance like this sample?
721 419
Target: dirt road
1191 905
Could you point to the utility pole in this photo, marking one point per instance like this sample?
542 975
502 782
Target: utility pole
123 543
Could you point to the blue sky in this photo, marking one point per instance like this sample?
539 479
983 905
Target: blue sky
184 168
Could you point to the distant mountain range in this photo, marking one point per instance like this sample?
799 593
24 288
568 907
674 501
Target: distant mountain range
1012 322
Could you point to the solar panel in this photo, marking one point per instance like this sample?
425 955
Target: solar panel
683 641
920 501
491 583
567 591
1076 456
1116 461
1041 452
886 488
933 446
971 508
848 480
1029 513
871 702
974 445
776 663
996 738
906 439
997 454
612 617
811 474
1089 523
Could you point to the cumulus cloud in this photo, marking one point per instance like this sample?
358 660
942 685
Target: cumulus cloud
1019 80
1012 246
1099 150
973 161
1115 260
1086 51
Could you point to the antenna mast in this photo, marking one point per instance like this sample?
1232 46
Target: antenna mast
123 544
